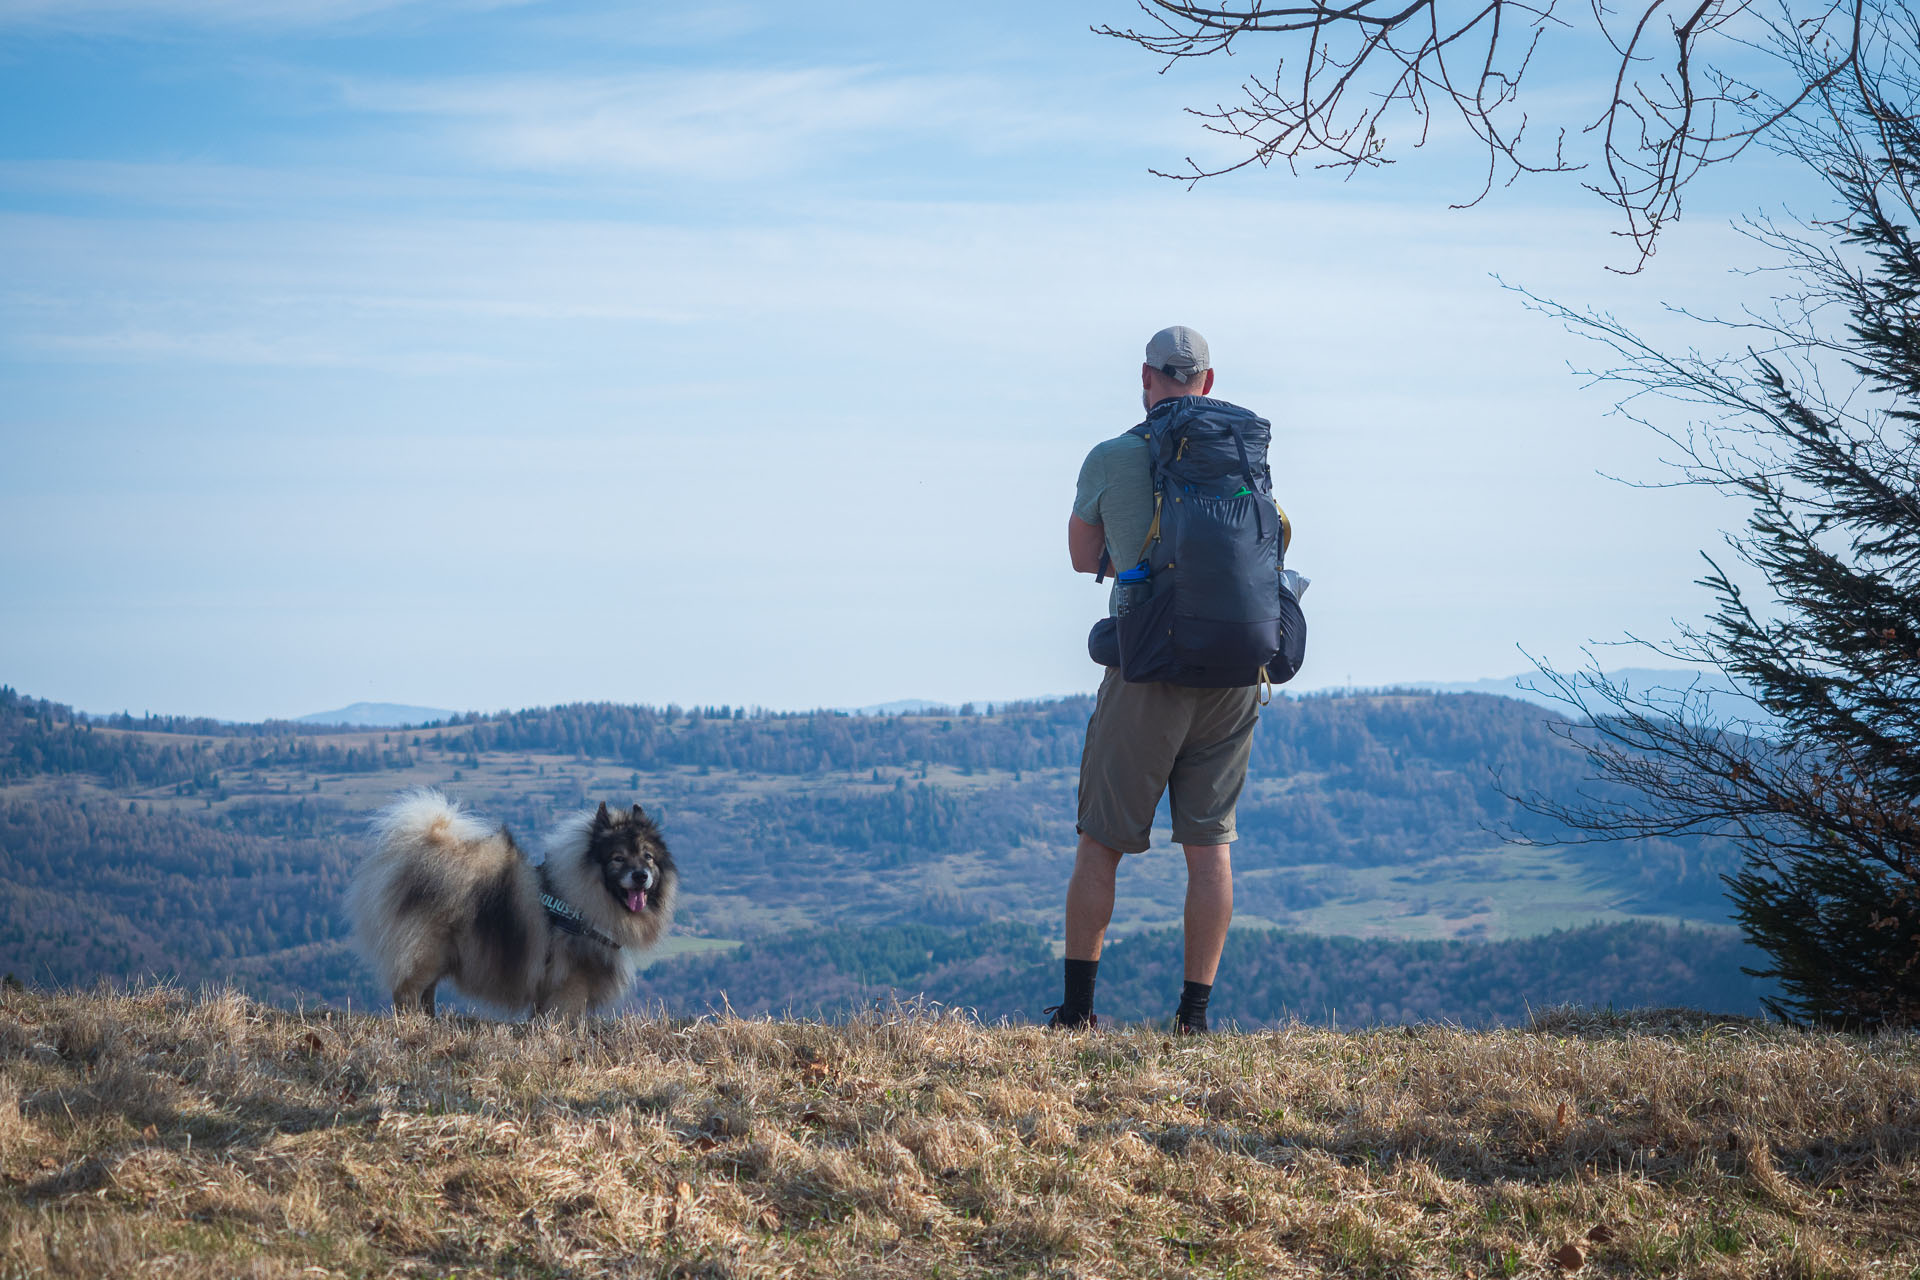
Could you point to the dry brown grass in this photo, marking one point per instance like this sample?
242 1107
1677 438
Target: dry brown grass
158 1133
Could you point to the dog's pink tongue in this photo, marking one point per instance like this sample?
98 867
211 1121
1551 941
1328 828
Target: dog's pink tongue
636 900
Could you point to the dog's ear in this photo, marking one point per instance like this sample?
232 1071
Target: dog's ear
639 814
602 819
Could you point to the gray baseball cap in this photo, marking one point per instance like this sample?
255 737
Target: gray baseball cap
1178 352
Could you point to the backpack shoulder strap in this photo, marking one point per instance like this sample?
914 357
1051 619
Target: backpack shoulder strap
1154 469
1153 530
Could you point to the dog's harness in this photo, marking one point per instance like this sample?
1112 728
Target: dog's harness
566 917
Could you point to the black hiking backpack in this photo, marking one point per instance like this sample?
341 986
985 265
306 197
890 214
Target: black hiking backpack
1218 614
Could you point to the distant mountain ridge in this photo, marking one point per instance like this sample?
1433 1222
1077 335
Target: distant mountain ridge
1721 697
378 715
394 715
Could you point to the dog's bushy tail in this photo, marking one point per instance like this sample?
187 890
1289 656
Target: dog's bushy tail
424 819
422 845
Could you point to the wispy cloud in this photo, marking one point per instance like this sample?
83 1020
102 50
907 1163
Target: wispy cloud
245 349
94 14
208 187
709 23
918 286
716 123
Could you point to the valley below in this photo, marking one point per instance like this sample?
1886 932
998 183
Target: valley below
208 853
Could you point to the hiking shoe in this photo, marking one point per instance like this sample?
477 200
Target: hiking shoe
1060 1020
1182 1027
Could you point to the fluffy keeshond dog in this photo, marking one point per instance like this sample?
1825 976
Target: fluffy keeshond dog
444 896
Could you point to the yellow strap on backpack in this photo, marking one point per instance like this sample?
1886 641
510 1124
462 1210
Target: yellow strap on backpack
1153 530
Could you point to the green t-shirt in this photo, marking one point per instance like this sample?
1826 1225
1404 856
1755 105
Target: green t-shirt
1116 493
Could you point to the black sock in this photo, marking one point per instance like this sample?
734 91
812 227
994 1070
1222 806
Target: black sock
1193 1005
1079 998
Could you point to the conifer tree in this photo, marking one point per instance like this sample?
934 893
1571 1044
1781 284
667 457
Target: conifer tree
1815 429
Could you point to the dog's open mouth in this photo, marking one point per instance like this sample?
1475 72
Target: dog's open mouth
636 900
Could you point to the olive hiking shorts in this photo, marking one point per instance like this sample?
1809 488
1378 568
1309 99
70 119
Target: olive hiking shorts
1144 739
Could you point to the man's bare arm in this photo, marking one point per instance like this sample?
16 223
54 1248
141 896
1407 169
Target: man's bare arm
1085 542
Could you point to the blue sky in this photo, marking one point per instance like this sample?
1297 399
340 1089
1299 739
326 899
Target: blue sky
491 354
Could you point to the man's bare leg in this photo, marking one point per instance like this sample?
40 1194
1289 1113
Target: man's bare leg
1089 908
1209 908
1090 898
1209 912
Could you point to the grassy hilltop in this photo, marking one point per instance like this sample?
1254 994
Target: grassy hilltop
158 1134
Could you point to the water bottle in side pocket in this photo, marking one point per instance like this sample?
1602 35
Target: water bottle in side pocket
1132 588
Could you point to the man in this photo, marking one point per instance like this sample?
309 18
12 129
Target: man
1146 738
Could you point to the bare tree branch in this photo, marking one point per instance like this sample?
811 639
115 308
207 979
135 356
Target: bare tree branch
1676 105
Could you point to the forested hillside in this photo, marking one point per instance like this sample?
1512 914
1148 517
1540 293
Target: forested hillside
206 851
